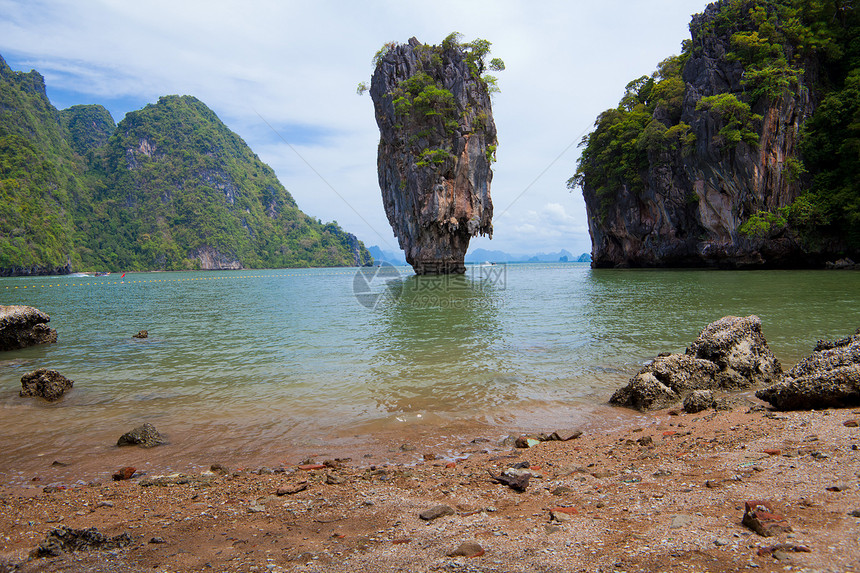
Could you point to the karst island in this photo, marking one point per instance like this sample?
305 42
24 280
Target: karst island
436 147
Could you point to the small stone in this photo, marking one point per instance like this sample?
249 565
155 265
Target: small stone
680 521
145 436
291 489
645 441
406 447
436 512
104 504
562 490
526 441
333 479
760 517
311 467
600 474
124 473
855 513
851 423
468 549
141 334
839 487
771 452
550 529
565 435
219 469
515 482
256 508
157 540
721 542
562 513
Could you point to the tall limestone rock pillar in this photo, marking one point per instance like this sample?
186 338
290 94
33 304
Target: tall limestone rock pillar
437 142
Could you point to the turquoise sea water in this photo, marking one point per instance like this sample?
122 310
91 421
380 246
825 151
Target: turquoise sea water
245 363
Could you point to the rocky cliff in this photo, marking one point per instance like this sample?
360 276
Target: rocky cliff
437 142
700 164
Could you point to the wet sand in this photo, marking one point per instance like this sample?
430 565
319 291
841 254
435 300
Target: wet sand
658 492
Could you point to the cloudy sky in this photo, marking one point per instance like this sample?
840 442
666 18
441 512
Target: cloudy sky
282 74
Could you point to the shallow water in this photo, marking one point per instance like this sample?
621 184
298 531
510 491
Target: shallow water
246 363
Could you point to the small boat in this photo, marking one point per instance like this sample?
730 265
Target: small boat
102 274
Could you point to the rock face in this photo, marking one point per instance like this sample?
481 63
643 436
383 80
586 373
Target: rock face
23 326
145 436
696 196
44 383
829 377
437 141
729 354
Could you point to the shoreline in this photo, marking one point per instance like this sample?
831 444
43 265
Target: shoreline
663 494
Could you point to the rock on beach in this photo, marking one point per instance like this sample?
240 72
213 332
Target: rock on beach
829 377
729 354
23 326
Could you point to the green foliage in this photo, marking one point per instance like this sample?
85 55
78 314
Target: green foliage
433 157
737 116
361 88
762 223
831 150
615 156
170 181
377 57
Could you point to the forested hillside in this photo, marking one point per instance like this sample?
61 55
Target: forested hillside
169 187
744 151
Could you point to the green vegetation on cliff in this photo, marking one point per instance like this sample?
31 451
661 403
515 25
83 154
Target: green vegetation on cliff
648 118
170 187
802 49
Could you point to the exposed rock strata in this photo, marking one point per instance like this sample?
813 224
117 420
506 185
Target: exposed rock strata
434 153
23 326
44 383
828 378
728 354
695 199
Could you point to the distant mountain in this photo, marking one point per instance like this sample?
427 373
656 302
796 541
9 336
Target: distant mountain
484 255
390 257
171 187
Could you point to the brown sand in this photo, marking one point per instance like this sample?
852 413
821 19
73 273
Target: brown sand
673 505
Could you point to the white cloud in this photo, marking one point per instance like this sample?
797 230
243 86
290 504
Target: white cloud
296 64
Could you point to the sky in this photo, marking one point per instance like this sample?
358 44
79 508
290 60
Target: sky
283 75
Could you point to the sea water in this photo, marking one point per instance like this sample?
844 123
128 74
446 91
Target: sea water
241 364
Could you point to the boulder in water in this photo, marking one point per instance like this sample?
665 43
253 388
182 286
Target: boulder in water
145 436
23 326
44 383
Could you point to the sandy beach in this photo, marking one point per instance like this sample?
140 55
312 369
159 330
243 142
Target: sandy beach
667 494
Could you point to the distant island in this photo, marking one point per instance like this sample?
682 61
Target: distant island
739 153
168 188
483 255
